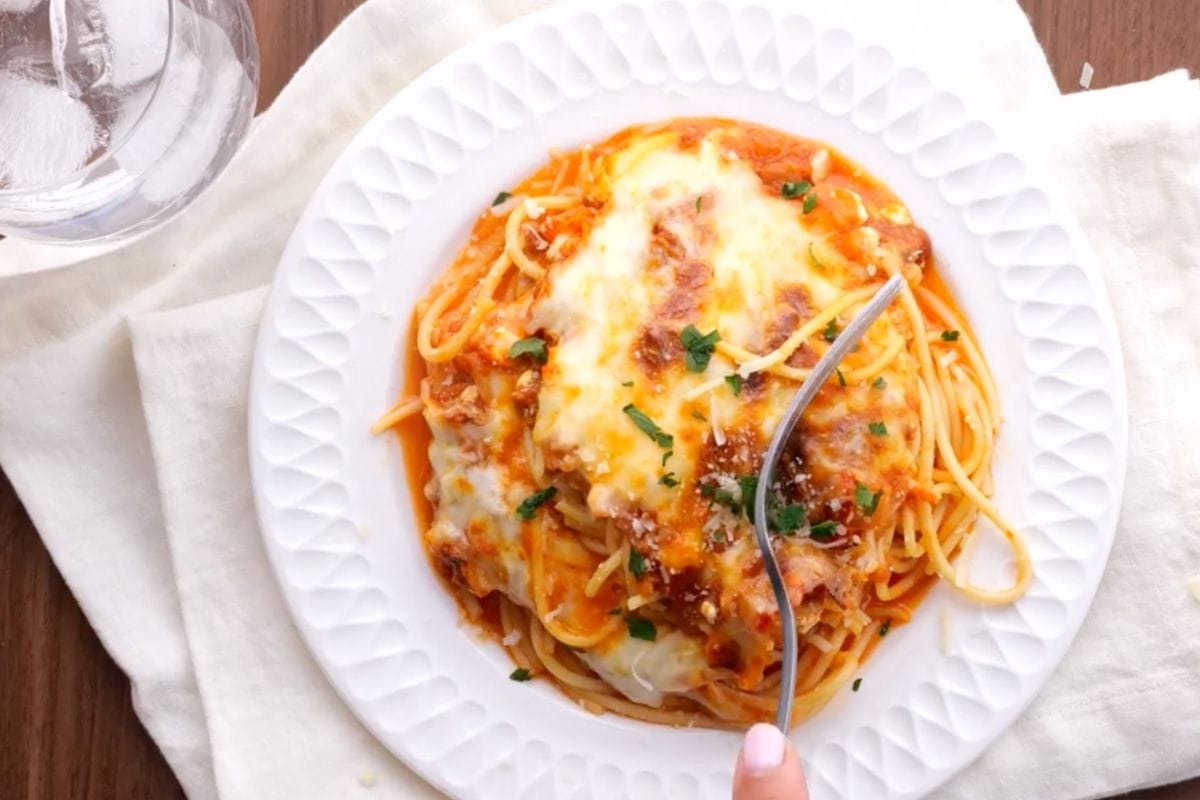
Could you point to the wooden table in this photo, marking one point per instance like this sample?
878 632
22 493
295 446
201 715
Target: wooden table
67 729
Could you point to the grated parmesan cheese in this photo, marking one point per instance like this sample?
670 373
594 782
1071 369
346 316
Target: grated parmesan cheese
946 638
591 707
557 246
511 638
637 601
554 613
820 165
366 779
1193 585
532 209
823 545
645 684
820 642
896 213
718 431
703 389
962 572
1085 75
860 209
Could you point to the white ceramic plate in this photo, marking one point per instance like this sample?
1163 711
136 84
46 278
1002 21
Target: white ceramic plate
333 501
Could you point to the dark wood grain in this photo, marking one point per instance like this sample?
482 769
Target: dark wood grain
288 32
67 728
1123 40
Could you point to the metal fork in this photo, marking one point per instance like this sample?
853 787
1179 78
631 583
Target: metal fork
820 373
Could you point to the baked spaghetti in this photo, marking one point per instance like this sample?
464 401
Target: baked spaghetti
600 371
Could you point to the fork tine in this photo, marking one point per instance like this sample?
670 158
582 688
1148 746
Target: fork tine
820 373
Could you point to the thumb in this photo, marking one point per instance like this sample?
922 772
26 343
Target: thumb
768 768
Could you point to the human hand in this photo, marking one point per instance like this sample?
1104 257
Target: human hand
768 768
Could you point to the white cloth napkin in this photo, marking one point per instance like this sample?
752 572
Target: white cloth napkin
123 382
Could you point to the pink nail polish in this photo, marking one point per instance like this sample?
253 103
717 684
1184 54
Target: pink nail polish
763 749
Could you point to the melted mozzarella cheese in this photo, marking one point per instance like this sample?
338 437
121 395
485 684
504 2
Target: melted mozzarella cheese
751 247
645 671
688 236
477 497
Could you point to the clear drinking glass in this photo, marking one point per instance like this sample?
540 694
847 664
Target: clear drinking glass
114 114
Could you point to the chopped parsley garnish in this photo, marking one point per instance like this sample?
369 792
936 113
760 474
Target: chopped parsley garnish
841 378
531 504
698 347
822 531
722 496
520 674
669 480
640 628
500 198
648 427
699 416
857 683
666 456
831 331
793 189
880 382
878 429
885 627
748 485
866 500
637 563
699 200
949 336
735 383
789 519
627 383
533 346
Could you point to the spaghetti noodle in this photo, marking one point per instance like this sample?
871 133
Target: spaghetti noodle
604 363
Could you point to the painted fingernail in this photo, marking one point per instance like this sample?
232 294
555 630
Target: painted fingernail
763 750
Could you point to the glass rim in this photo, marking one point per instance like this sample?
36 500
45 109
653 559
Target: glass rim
110 153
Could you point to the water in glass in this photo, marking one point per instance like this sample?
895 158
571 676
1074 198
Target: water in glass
114 114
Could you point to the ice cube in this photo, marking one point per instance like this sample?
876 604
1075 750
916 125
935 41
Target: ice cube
80 47
132 103
138 31
18 6
183 129
45 134
109 43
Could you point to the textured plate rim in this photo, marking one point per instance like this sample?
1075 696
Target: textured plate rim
844 768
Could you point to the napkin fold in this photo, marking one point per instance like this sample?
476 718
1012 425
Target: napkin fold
276 726
124 374
1123 710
